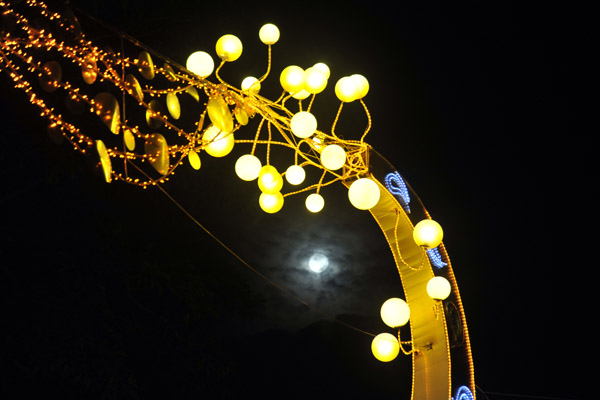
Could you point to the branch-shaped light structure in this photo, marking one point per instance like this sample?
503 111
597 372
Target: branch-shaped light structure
221 111
149 119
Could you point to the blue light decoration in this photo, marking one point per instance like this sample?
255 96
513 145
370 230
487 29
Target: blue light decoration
436 258
464 393
396 186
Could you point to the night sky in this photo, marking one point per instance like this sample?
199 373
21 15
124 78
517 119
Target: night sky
111 291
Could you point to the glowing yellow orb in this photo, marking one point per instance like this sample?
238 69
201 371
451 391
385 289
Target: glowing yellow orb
292 79
395 312
269 34
438 288
200 63
271 202
218 143
229 48
364 193
323 67
363 85
251 83
347 89
247 167
314 202
428 234
385 347
295 175
303 124
333 157
315 80
269 180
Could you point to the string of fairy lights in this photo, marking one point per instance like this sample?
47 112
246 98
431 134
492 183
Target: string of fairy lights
226 107
145 147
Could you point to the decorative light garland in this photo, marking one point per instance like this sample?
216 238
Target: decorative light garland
29 54
228 108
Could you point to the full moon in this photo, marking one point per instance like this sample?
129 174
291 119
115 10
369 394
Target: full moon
318 263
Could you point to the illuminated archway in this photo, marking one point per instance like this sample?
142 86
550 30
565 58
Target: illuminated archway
146 145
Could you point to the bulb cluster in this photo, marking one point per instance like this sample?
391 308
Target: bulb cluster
37 61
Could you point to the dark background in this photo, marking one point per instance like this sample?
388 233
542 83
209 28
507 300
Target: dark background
110 291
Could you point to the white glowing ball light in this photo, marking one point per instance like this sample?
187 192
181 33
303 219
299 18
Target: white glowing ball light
315 80
292 79
385 347
303 124
395 312
428 234
323 67
333 157
364 193
269 180
247 167
347 89
295 175
251 83
271 202
200 63
314 202
363 85
229 48
218 143
438 288
269 34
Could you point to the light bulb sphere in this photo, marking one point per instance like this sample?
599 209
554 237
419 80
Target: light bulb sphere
323 67
364 193
314 202
363 85
395 312
346 89
251 83
269 180
218 143
295 175
333 157
247 167
200 63
269 34
303 124
292 79
385 347
438 288
270 202
315 80
428 233
229 48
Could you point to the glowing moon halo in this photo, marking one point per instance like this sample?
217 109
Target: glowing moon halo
318 263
